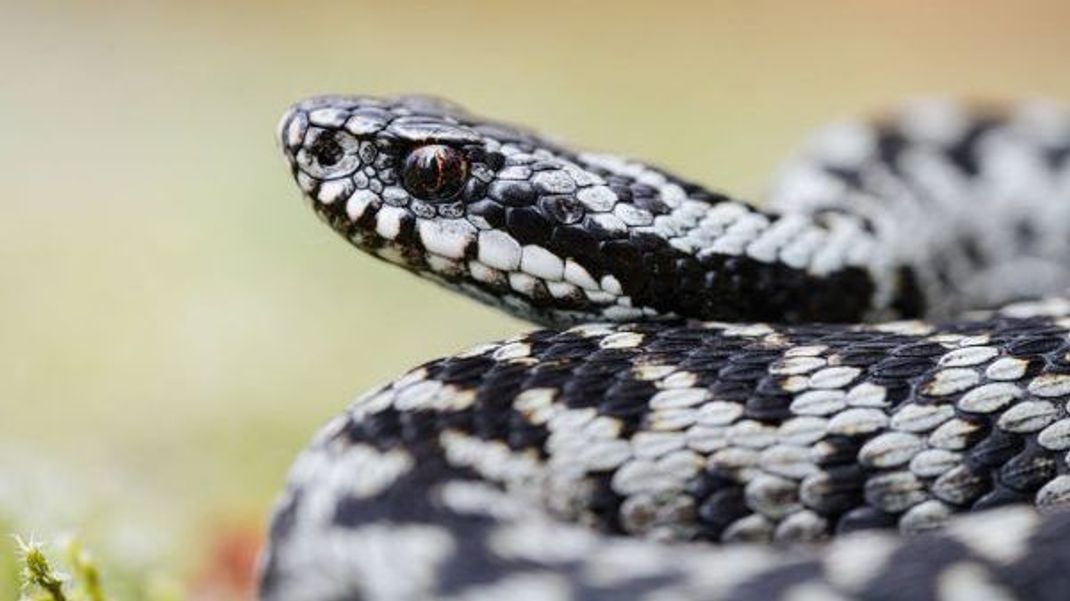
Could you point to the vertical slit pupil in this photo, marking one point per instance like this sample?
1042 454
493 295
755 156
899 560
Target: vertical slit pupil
435 172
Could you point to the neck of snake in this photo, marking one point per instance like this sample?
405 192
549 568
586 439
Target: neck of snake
704 255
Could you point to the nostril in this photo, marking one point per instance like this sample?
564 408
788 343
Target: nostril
327 151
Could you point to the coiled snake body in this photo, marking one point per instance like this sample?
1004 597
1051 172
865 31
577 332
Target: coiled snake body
731 402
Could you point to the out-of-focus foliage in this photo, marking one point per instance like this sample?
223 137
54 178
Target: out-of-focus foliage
78 576
175 324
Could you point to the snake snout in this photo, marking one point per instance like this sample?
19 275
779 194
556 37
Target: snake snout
291 129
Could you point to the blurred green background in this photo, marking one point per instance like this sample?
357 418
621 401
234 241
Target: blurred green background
174 323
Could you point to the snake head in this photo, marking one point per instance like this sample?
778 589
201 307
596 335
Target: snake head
492 210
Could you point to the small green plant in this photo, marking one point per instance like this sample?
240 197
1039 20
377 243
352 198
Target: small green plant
64 570
85 571
41 581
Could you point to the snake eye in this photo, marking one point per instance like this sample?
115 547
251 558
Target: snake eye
434 172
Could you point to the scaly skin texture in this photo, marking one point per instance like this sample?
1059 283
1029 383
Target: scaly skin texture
657 453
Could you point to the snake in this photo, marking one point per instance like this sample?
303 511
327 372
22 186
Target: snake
855 388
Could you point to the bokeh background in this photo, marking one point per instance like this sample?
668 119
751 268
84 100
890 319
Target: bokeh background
174 323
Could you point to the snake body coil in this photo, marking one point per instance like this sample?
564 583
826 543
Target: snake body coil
658 439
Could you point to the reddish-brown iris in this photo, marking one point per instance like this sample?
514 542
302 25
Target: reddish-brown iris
434 172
